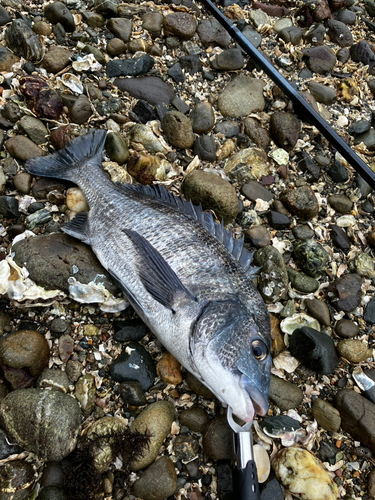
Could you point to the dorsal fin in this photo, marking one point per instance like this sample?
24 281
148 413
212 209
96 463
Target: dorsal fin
234 246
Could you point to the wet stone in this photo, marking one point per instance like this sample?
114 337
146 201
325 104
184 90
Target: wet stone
131 329
253 190
339 237
115 46
314 349
120 27
23 41
339 33
291 34
178 130
284 394
318 310
9 207
195 419
7 59
257 133
53 425
302 283
242 96
345 328
153 23
116 148
368 139
134 363
326 415
348 290
340 203
196 386
258 236
157 482
322 93
301 202
202 117
129 67
57 12
320 59
228 60
217 439
302 232
273 277
175 72
311 257
180 24
354 351
132 393
285 128
205 147
277 220
212 33
81 111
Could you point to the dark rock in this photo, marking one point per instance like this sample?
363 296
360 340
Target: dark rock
327 452
81 110
56 59
292 35
339 33
108 8
175 72
212 33
301 282
315 36
301 202
180 105
157 482
253 190
361 52
348 290
313 11
49 260
153 23
205 148
132 393
5 17
178 130
151 89
273 277
338 172
322 93
368 139
252 36
6 447
52 493
284 394
197 386
284 128
308 166
116 148
224 481
17 480
217 440
202 117
144 111
227 128
43 101
21 39
115 46
130 329
108 107
228 60
343 55
277 220
315 350
180 24
369 313
359 127
357 416
185 447
320 59
340 203
257 133
120 27
258 236
129 67
303 232
134 364
191 64
194 418
319 310
326 415
311 257
346 329
9 207
7 59
57 12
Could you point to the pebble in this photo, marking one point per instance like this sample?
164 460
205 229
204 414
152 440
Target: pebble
7 59
130 67
56 380
252 35
197 386
228 60
115 46
9 207
17 480
357 416
134 363
339 33
338 172
246 165
319 310
302 283
131 329
196 419
348 290
21 39
180 24
49 260
153 23
33 128
284 394
5 17
253 191
320 59
322 93
120 27
368 139
211 32
345 328
218 439
84 392
169 369
157 419
326 415
202 117
23 148
291 34
185 447
273 277
302 474
339 237
340 203
116 148
314 349
107 8
302 232
278 220
354 351
284 129
177 129
277 341
81 110
151 89
22 181
57 12
157 482
311 257
364 265
23 355
242 96
53 424
259 17
56 59
258 236
132 393
257 133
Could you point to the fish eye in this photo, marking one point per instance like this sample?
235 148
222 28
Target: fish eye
259 349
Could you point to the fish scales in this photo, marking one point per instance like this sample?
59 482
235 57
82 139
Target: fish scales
182 281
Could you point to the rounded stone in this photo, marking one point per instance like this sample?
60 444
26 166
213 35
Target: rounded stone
311 257
42 28
57 12
242 96
218 439
284 394
196 386
116 148
195 419
22 182
115 46
157 419
157 482
273 277
81 110
7 59
52 426
322 93
34 129
202 117
228 60
180 24
320 59
22 40
340 203
301 202
258 236
178 129
302 283
285 128
132 393
56 59
354 351
211 32
326 415
346 329
213 193
153 22
318 310
23 148
169 370
56 380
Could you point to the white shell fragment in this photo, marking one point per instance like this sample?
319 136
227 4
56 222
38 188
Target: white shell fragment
303 476
285 361
72 82
86 63
280 156
299 320
262 462
95 293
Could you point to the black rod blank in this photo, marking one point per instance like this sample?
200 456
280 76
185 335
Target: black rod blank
301 107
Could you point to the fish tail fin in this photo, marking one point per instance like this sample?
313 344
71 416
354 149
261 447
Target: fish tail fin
64 163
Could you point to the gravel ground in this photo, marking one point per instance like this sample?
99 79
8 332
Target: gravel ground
245 156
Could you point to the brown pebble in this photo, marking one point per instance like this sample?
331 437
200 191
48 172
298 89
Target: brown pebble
169 370
258 236
115 47
277 340
346 329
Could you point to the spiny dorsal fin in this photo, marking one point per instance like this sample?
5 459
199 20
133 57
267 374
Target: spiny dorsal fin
234 246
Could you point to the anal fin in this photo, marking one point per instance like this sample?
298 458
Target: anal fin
157 276
78 227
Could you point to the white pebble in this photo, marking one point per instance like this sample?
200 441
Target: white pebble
75 200
342 121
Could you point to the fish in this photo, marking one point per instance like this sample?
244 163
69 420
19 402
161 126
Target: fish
184 274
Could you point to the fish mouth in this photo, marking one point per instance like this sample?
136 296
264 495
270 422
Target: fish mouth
259 402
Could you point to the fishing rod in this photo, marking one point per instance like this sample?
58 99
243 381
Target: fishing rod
301 106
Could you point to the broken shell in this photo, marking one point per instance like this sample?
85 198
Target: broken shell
72 82
76 201
285 361
262 463
288 325
95 292
280 156
86 63
144 135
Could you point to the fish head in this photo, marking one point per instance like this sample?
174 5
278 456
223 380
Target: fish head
233 357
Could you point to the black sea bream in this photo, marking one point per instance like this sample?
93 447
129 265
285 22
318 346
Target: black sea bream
184 274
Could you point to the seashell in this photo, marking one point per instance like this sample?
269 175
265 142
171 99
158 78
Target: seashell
262 462
95 292
280 156
285 361
86 63
299 320
72 82
145 135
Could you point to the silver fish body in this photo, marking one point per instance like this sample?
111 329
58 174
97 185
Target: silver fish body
182 281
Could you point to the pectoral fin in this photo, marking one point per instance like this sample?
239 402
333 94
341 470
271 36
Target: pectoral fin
156 274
